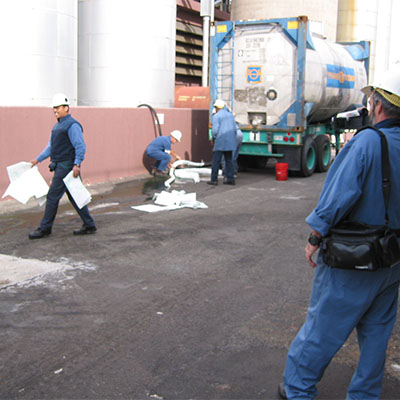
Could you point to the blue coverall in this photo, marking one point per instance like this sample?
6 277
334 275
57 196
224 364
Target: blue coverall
224 138
235 153
343 300
158 149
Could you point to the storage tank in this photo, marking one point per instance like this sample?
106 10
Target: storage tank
127 52
38 51
368 20
357 20
323 11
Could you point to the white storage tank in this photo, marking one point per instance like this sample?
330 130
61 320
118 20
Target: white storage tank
358 19
368 20
323 11
127 52
38 51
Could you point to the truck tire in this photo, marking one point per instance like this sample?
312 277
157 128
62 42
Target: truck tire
308 157
323 148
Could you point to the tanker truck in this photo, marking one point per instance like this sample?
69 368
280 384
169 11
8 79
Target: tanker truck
292 91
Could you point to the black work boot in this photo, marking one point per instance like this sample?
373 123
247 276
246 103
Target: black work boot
282 391
39 233
85 230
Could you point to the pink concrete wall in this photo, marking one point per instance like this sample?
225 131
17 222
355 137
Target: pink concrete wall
116 138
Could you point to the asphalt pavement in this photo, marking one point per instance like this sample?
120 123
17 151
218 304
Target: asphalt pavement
182 304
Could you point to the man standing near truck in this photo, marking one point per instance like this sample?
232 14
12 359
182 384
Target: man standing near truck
224 139
344 300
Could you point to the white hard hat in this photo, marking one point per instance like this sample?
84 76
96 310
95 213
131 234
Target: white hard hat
219 103
60 99
388 86
177 135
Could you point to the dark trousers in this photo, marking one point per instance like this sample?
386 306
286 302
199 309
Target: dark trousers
56 191
216 162
162 159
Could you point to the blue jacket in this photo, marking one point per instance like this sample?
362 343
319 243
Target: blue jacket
354 182
224 131
160 143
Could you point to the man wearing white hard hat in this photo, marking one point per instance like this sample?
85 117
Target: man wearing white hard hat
160 150
346 299
224 138
66 150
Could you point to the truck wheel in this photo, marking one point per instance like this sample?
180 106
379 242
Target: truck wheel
323 148
308 157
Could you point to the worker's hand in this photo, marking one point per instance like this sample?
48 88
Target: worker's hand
309 251
76 171
33 162
177 157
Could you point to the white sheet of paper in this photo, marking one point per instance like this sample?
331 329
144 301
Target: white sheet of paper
78 191
16 170
171 201
150 208
26 181
17 190
164 198
36 183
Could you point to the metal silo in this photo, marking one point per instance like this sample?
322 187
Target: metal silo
367 20
38 51
127 52
323 11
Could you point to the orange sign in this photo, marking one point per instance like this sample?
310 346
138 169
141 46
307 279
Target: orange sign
192 97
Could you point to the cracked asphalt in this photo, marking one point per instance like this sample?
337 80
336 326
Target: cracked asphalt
184 304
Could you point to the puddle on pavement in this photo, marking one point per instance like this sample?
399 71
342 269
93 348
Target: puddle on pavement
126 194
120 198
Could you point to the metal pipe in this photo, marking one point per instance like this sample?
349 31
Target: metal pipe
206 39
207 12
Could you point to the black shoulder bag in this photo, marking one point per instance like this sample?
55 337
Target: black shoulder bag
354 245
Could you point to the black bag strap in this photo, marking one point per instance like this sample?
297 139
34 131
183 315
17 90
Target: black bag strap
386 182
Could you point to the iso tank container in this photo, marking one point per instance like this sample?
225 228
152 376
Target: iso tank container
284 85
279 72
39 50
323 11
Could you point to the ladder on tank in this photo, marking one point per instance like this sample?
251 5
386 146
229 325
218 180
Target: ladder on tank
225 74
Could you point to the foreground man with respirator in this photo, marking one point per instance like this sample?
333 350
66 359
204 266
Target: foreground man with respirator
346 299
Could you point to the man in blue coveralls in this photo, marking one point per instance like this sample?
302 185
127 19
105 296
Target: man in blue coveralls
235 153
343 300
66 150
224 139
160 150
